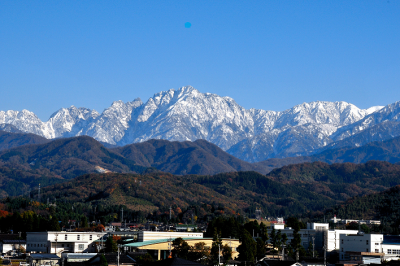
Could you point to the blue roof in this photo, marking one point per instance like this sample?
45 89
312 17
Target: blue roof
393 240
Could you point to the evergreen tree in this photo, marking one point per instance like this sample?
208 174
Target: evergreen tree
103 261
111 246
260 248
180 248
84 222
273 237
264 232
247 249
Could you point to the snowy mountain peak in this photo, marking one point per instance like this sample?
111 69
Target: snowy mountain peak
187 114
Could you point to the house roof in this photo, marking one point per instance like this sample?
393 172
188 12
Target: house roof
44 256
8 236
112 258
14 241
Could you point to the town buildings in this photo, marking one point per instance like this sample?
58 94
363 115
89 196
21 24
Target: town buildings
58 242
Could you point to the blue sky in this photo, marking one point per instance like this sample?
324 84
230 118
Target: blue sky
264 54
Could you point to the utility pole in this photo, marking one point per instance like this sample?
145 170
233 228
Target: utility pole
170 209
313 246
219 255
324 254
122 215
56 243
118 256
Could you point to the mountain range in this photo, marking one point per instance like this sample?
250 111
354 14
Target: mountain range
252 135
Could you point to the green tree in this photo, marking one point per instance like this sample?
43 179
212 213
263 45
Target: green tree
111 246
278 240
264 232
103 261
226 252
54 225
260 248
180 248
273 237
84 222
146 258
200 253
247 249
365 228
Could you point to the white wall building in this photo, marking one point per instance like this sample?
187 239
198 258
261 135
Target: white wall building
369 246
313 234
10 245
154 235
58 242
333 238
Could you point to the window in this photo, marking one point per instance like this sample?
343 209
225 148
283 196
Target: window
367 250
389 251
366 242
376 250
79 237
376 244
80 247
342 241
342 249
67 245
90 237
66 237
62 245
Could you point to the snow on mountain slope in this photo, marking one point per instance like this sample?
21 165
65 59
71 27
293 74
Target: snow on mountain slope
390 112
187 114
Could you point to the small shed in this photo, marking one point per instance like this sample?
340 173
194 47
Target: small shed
37 259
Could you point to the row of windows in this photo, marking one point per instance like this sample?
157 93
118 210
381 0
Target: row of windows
366 242
36 245
78 237
393 251
44 245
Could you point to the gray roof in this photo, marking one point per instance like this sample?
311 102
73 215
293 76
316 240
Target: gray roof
44 256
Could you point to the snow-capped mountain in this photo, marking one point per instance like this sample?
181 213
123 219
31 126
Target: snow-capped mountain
187 114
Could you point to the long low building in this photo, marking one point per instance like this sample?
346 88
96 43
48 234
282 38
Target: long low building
154 235
160 248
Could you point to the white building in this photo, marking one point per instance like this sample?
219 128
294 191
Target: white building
333 238
347 221
58 242
155 235
369 247
318 234
314 234
11 245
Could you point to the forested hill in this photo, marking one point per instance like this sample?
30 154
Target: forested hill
10 140
230 192
342 180
388 150
186 157
383 206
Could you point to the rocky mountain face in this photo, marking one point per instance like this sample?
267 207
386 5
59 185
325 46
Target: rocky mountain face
187 115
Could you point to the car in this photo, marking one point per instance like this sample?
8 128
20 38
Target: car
6 262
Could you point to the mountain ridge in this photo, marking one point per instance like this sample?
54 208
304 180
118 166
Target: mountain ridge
252 135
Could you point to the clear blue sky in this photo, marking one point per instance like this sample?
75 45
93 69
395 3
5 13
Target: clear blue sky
265 54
